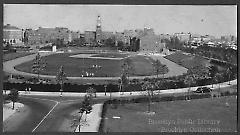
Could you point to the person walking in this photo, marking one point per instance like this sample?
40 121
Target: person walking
26 90
29 90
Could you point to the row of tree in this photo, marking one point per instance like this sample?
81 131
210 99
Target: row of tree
221 53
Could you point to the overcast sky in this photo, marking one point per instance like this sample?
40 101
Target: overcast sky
213 20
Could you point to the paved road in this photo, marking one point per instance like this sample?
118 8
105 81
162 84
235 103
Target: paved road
8 66
43 114
60 119
33 113
37 117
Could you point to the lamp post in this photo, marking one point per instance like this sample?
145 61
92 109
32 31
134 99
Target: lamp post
105 86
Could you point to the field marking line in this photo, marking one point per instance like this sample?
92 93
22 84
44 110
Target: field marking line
46 116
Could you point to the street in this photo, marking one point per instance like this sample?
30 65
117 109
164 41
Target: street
35 116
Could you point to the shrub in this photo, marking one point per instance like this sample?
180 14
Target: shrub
141 100
167 98
226 93
181 97
199 96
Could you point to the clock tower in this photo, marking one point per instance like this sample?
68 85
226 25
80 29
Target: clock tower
98 30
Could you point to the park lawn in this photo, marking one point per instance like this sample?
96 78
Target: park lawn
171 115
141 65
230 88
11 56
74 66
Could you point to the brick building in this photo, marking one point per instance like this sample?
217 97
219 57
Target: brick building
12 35
150 42
90 36
47 35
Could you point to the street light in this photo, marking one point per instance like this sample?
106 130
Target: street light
105 86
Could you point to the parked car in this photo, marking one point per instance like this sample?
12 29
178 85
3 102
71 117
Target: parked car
203 90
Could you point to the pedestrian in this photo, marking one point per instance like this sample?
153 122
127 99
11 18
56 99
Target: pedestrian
26 90
29 90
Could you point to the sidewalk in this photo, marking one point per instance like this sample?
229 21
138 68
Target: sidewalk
93 120
8 111
128 94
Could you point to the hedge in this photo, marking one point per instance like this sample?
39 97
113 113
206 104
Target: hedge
104 110
68 87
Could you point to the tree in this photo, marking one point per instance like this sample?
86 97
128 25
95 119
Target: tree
61 77
13 96
120 45
218 79
134 44
86 106
148 87
189 80
212 72
160 84
126 67
159 68
198 72
110 42
91 91
38 65
79 41
123 82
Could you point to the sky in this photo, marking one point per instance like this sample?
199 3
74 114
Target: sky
215 20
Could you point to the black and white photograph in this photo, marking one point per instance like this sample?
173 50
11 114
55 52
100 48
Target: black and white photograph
119 68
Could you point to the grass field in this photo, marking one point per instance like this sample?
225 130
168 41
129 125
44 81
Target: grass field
187 61
11 56
75 66
199 115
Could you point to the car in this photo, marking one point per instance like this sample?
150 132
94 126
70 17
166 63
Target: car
203 90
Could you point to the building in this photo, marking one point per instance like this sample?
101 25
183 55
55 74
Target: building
98 36
90 36
148 31
12 35
107 34
98 30
165 36
183 37
49 35
120 37
150 42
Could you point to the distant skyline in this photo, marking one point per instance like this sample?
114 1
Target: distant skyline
213 20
